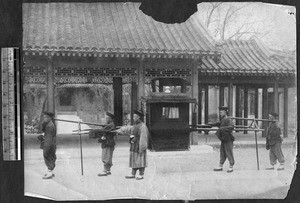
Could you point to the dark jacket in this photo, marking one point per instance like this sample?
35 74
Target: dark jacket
50 134
273 134
108 136
224 132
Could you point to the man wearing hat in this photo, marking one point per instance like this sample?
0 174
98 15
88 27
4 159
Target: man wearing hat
224 133
138 145
273 143
49 148
107 144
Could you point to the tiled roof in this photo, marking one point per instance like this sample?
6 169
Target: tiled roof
109 28
250 57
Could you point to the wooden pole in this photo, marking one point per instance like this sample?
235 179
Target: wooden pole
285 111
257 160
80 140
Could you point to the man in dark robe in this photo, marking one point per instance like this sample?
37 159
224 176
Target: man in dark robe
273 143
224 134
138 145
49 147
107 144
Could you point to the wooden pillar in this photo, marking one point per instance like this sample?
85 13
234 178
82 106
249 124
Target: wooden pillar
206 104
265 109
276 98
161 85
245 107
285 111
183 87
50 85
230 98
195 95
118 100
200 104
256 103
134 100
153 85
141 82
237 104
221 96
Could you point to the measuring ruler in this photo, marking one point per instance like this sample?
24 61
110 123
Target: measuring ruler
11 121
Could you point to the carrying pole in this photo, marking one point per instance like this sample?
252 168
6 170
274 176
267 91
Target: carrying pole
81 159
257 161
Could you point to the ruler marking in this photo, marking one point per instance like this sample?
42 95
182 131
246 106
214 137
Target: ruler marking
11 104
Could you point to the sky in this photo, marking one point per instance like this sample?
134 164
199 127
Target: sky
274 19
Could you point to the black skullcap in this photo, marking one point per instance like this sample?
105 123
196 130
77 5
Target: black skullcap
274 114
139 113
48 113
225 108
110 115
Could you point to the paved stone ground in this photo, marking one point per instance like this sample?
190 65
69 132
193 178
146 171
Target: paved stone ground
185 175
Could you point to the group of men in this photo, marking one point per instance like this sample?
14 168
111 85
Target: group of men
138 134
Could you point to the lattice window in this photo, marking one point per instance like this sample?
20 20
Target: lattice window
34 71
168 72
95 71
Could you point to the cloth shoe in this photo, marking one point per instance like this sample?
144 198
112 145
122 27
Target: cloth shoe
280 168
104 173
48 175
139 177
270 168
230 170
218 169
130 176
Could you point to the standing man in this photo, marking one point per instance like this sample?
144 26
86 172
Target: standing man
107 144
49 148
224 133
138 145
273 143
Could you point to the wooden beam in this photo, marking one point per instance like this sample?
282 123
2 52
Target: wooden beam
118 100
50 85
285 111
245 107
